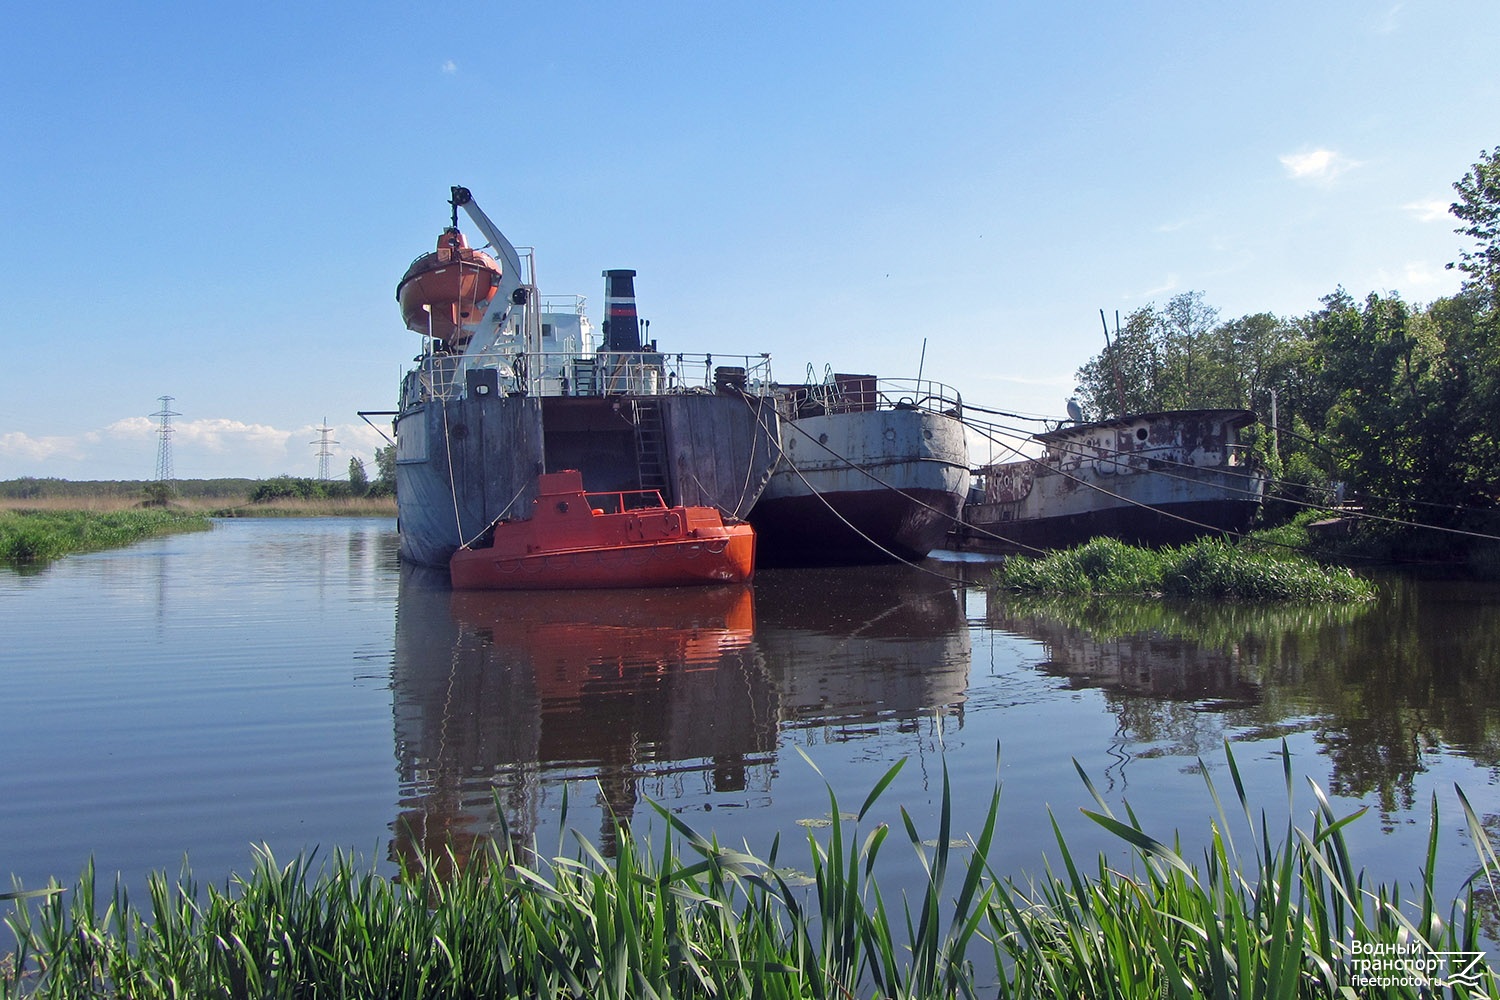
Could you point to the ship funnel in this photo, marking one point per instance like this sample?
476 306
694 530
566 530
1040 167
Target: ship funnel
622 329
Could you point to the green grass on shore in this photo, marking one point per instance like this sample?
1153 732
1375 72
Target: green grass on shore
1260 914
29 537
1207 568
315 507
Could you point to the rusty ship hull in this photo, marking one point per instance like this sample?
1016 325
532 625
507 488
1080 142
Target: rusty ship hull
1148 479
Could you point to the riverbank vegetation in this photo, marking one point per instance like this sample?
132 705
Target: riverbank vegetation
28 537
358 495
1259 914
325 506
1384 406
1209 568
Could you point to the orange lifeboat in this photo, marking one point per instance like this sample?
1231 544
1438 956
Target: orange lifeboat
449 289
578 540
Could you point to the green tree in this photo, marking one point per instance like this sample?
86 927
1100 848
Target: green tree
1478 207
287 488
359 482
1124 377
1182 357
385 473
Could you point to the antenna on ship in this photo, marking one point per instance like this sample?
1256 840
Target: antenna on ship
324 452
1114 362
164 442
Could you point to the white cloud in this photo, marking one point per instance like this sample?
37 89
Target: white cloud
1169 285
1319 165
1427 209
132 427
19 445
206 448
450 67
1418 277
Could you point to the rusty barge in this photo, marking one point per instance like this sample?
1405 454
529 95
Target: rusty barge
1148 479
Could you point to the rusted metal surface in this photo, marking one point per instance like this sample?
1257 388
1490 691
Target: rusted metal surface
871 470
1149 478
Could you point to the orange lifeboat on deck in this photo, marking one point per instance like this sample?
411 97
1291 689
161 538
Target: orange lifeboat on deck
445 291
597 540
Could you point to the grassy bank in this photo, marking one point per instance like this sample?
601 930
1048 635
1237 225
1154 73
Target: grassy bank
1207 568
1288 915
330 507
35 536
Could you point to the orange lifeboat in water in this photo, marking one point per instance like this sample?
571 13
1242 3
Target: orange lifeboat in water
578 540
449 289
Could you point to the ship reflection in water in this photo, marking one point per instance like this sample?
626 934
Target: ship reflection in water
508 696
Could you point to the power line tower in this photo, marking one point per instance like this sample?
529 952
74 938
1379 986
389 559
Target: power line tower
164 440
324 451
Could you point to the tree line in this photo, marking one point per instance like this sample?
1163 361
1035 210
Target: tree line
1394 404
358 484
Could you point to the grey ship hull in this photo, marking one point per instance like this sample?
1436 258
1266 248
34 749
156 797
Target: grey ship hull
462 463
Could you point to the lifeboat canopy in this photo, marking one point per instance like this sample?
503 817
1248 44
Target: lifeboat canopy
445 293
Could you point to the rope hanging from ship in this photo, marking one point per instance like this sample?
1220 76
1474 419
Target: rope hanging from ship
846 522
1109 454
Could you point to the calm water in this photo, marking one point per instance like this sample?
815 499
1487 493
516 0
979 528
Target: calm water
287 682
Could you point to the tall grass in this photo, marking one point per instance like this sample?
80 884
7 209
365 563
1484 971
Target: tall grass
314 507
1284 916
34 536
1207 568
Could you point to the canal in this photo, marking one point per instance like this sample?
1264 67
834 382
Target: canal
289 683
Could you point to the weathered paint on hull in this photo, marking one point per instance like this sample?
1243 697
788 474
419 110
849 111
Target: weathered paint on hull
1168 524
853 527
719 450
861 487
1149 479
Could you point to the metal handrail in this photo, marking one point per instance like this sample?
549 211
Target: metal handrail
555 373
888 394
614 501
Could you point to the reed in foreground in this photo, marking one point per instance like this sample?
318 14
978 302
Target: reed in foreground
1289 917
34 536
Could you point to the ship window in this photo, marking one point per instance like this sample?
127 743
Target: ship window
546 329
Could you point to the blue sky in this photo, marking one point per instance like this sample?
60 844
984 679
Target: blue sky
214 202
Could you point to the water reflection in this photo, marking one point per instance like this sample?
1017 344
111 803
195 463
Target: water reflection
1380 688
850 649
509 695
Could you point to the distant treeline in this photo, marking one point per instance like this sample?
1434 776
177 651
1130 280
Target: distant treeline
1393 405
29 488
358 484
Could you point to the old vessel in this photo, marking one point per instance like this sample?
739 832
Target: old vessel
579 540
1147 478
510 385
871 470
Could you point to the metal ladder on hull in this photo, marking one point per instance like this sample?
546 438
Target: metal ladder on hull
650 445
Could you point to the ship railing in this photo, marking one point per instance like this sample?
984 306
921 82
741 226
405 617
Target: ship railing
919 394
857 393
600 373
625 500
577 304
